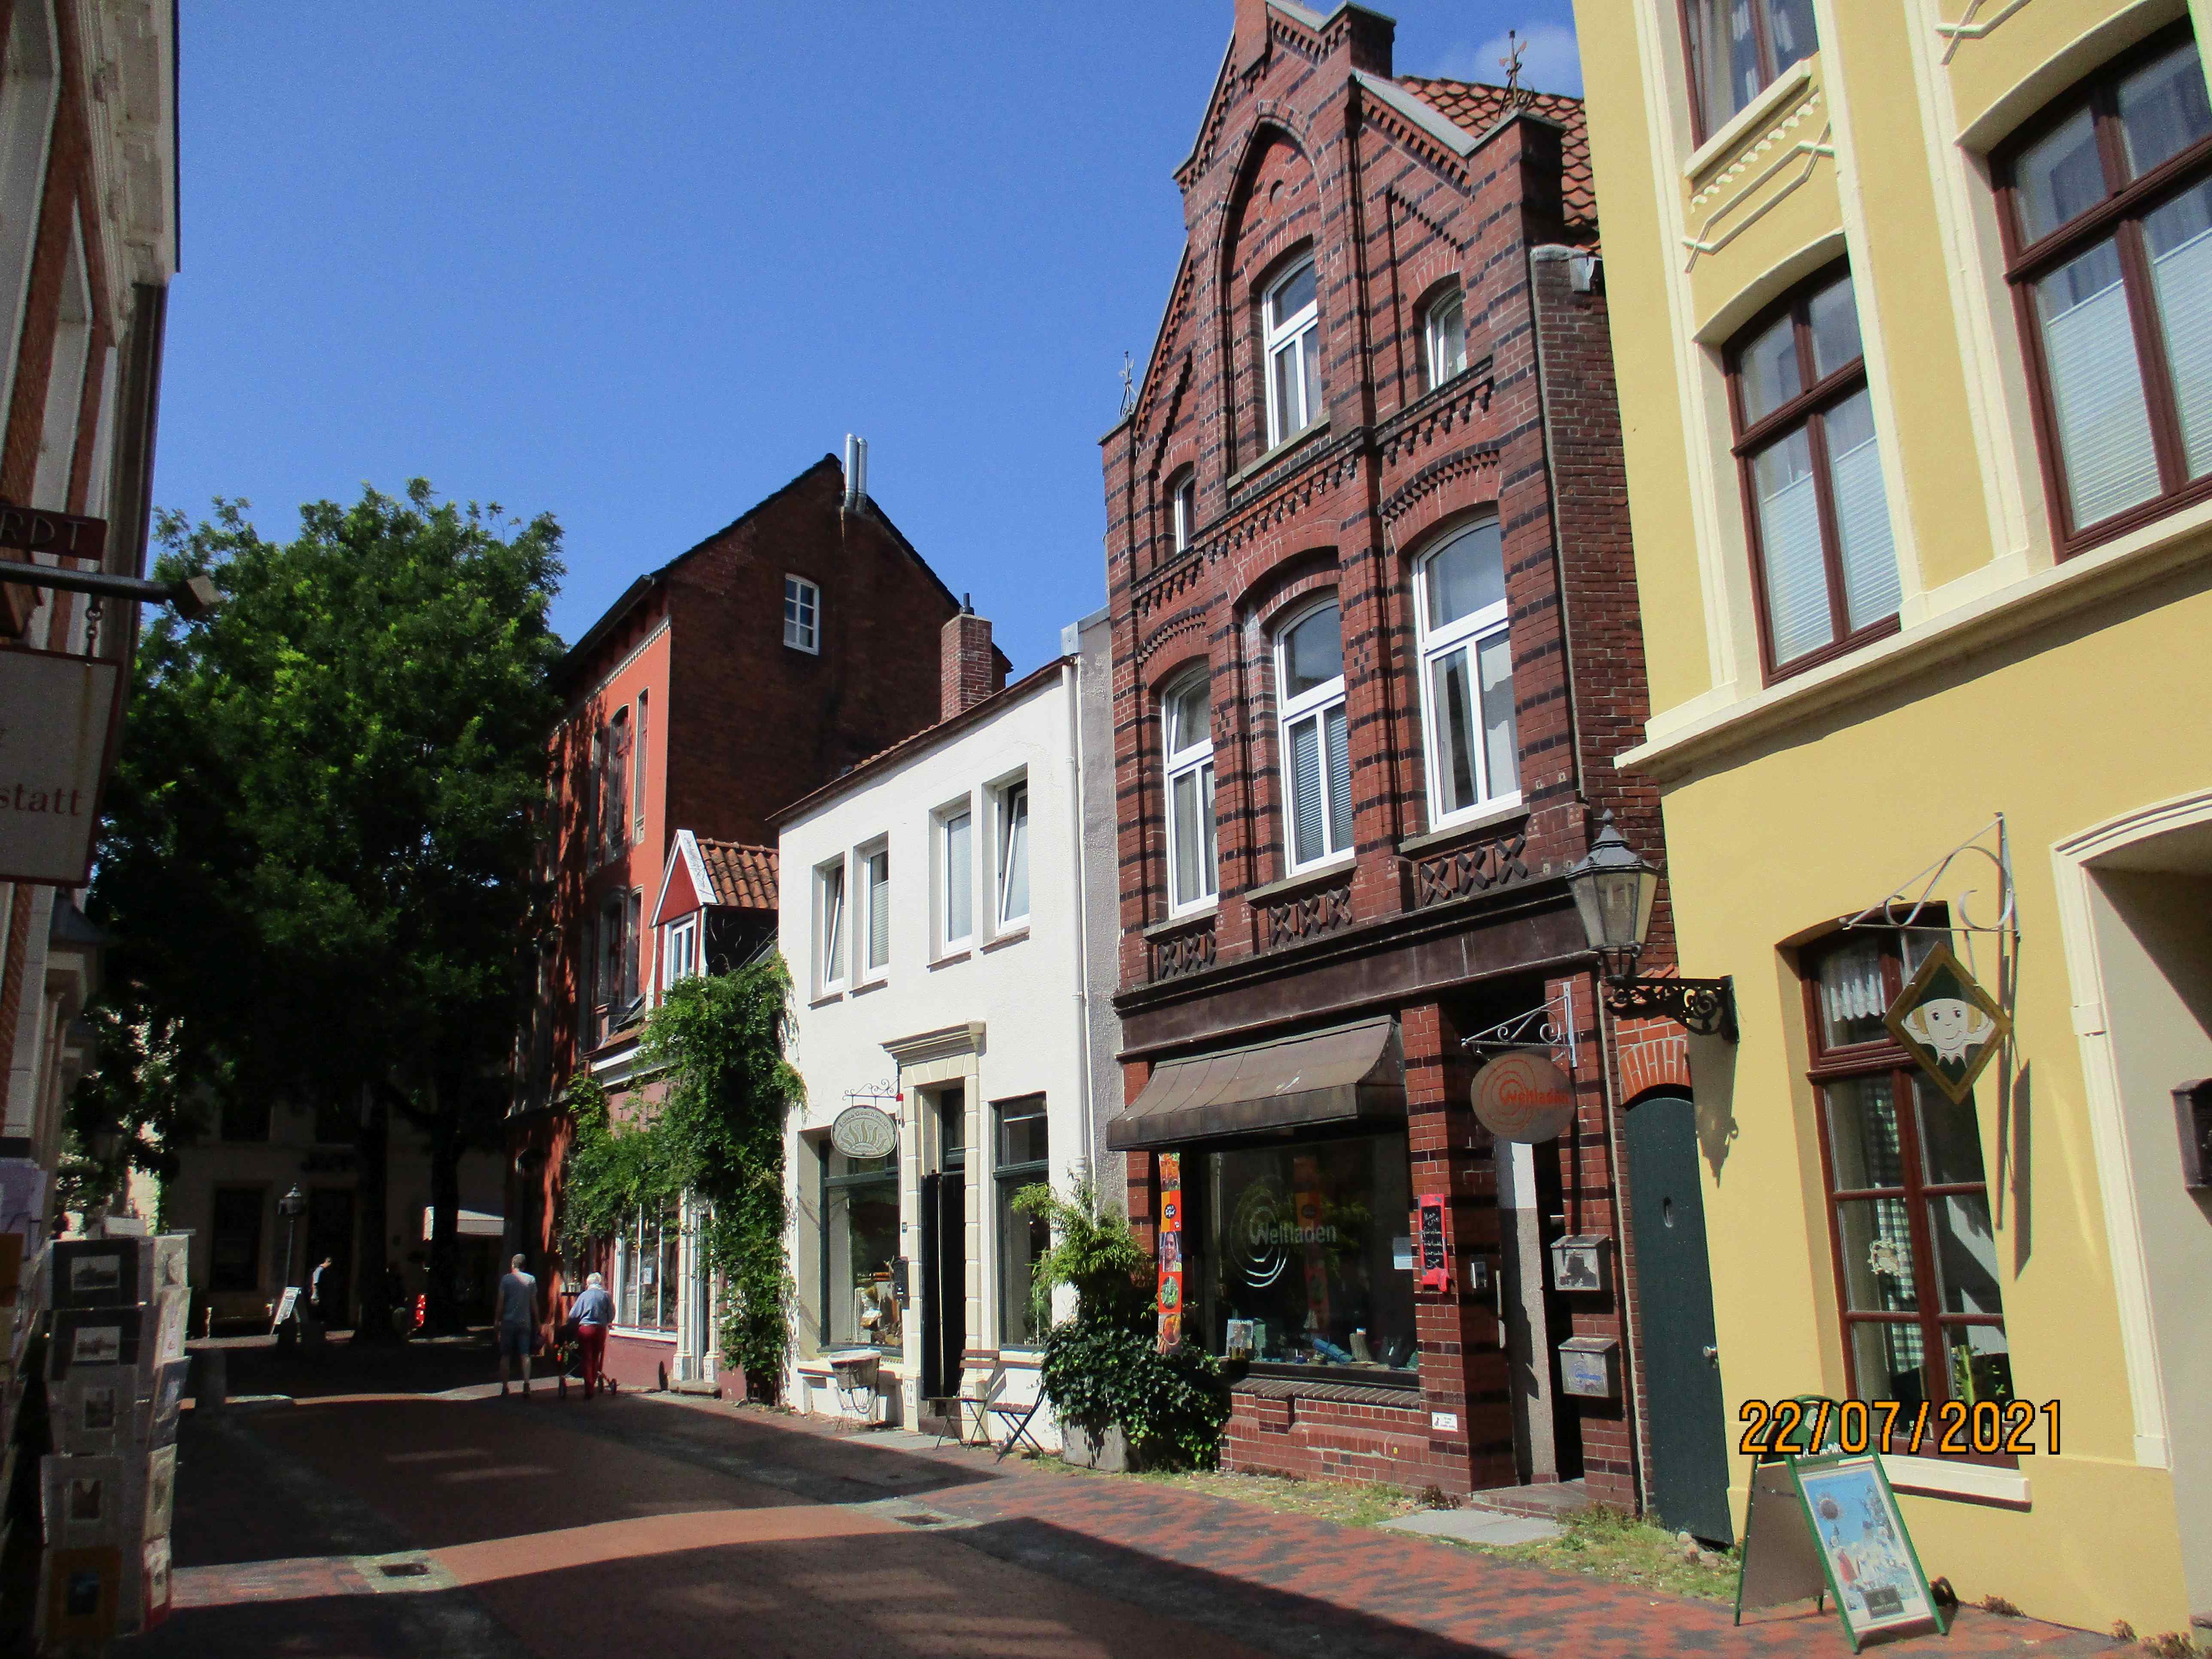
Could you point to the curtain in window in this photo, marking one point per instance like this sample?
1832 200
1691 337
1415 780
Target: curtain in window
2103 424
1871 588
1851 992
1339 778
1790 541
959 877
2180 239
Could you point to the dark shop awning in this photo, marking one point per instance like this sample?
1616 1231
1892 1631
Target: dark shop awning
1348 1075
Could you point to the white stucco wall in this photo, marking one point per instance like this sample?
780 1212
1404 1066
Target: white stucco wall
1002 1015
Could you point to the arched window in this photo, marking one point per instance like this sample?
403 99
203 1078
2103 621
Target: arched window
1467 674
2108 228
1444 336
1292 330
1182 508
1812 478
1187 739
1316 760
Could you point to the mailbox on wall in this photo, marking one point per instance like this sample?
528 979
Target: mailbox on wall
1582 1261
1590 1368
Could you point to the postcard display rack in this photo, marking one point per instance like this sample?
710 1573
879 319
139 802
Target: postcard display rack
115 1383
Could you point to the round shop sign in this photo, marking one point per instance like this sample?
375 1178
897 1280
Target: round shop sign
1522 1096
865 1131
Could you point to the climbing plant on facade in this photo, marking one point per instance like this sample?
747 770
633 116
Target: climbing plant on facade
712 1053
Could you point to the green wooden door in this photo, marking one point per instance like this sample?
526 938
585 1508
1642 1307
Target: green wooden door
1681 1366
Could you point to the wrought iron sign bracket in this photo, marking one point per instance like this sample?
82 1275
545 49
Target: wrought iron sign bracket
1706 1007
1904 908
1550 1024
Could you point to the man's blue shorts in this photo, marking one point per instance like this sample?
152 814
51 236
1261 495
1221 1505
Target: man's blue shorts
515 1341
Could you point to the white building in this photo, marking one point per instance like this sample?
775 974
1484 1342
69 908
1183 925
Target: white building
934 915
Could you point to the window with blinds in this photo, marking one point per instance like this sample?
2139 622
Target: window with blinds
1819 514
956 841
2107 200
1316 757
877 867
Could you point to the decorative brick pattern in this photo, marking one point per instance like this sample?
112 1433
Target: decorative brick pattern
1190 951
1306 916
1463 871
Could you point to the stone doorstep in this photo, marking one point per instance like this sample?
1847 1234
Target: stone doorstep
1545 1502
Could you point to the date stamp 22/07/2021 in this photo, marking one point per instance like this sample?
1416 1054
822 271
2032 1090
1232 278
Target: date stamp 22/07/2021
1952 1428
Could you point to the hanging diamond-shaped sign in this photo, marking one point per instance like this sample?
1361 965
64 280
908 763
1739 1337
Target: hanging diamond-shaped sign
1951 1025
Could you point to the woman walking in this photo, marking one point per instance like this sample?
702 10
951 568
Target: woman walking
594 1312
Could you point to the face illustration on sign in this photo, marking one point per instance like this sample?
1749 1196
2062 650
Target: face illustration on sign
1949 1023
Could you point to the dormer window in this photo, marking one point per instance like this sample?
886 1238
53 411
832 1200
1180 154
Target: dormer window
1444 336
1292 330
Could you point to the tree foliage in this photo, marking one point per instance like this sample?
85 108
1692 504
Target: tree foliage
714 1048
319 835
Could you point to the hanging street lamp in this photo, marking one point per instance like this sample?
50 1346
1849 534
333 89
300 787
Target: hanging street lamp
1614 891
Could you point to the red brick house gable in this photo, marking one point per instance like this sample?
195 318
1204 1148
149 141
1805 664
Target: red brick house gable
1453 389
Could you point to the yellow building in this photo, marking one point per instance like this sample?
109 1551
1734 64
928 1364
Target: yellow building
1912 308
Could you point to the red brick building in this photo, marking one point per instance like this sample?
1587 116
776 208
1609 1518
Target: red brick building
746 671
1375 645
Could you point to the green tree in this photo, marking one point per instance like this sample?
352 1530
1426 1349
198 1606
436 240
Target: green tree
319 848
715 1046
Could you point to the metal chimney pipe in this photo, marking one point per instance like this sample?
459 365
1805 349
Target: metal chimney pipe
856 472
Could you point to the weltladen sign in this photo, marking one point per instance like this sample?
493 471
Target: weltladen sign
58 715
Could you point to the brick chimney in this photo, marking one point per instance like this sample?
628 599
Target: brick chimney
1251 33
970 668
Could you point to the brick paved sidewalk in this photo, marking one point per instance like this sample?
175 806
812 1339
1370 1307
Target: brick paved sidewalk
1296 1585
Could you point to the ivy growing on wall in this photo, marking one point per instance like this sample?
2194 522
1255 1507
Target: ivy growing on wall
714 1049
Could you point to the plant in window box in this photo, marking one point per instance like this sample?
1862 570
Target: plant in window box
1103 1368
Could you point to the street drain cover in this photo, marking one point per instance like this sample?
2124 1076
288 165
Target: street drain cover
403 1570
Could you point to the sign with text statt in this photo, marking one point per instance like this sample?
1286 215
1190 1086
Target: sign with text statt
58 718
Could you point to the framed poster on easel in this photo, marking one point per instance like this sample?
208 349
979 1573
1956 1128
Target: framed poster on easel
1829 1527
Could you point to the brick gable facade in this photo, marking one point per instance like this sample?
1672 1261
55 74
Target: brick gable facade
1398 191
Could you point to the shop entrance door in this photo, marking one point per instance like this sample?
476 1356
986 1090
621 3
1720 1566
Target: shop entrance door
944 1281
1682 1373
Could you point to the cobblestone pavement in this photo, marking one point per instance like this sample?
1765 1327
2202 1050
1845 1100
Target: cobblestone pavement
455 1524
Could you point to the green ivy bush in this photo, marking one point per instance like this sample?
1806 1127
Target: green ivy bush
1103 1368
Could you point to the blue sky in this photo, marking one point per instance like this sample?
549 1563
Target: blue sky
638 265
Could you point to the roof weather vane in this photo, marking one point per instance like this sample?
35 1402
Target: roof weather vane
1515 48
1128 384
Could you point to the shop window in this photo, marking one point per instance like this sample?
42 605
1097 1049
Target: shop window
1187 729
1444 336
1023 1159
648 1260
1737 47
860 1243
1817 512
1013 866
234 1238
1916 1255
1467 676
1315 753
1290 320
1307 1261
2108 221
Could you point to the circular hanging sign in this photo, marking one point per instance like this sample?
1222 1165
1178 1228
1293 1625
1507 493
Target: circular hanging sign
865 1131
1522 1096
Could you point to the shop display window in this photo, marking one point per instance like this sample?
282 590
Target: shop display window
1306 1257
860 1241
651 1251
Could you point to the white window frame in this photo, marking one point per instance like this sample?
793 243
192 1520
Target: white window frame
1195 760
679 951
872 941
1470 632
1312 705
832 929
1008 921
1300 334
1182 508
802 614
1448 304
953 934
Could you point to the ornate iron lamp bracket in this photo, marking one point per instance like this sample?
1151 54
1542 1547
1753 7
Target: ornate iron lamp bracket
1706 1007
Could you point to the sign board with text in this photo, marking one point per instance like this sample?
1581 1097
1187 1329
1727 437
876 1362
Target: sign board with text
58 723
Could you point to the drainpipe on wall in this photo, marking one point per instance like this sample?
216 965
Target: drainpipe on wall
1071 680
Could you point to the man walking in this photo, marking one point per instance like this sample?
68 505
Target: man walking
517 1322
594 1312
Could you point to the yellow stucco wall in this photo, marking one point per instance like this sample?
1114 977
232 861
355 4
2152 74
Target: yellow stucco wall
2061 694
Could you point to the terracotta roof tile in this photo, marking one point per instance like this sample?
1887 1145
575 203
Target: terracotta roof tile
744 877
1478 106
